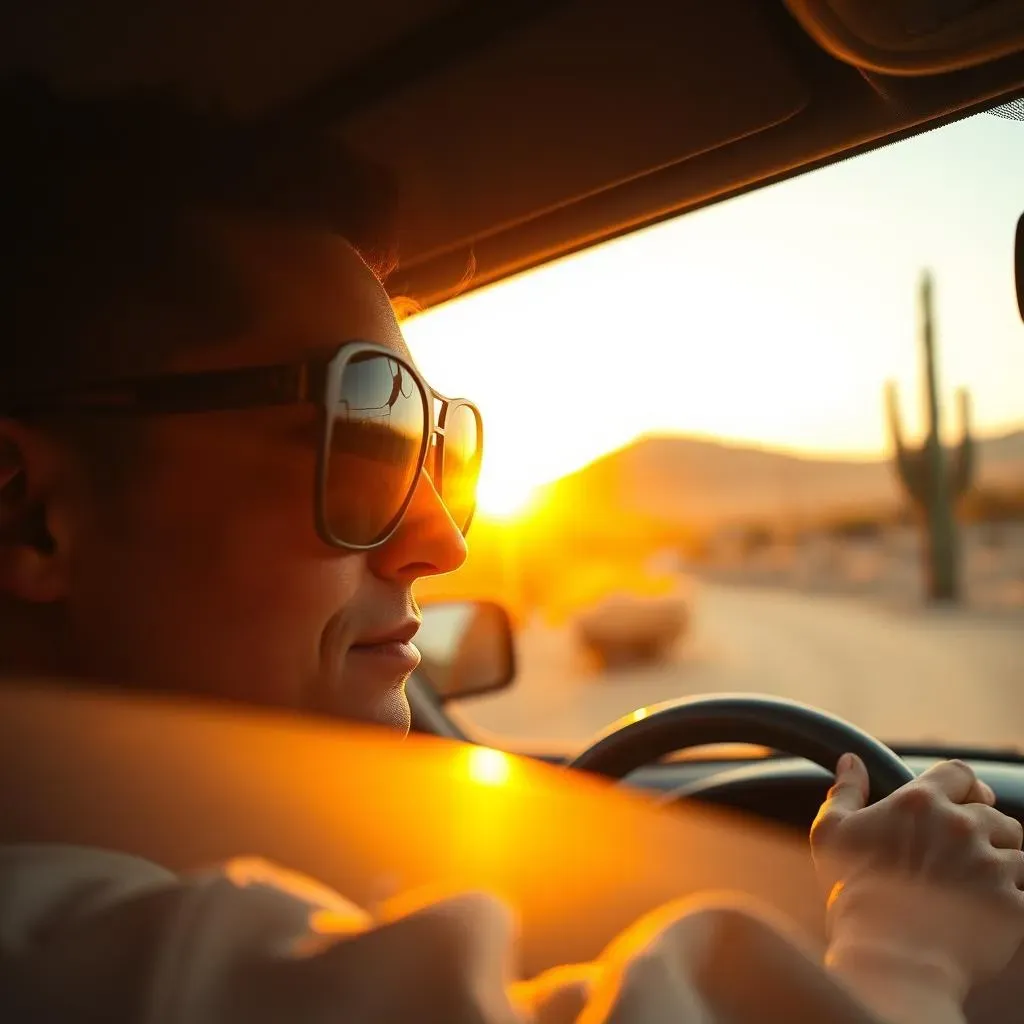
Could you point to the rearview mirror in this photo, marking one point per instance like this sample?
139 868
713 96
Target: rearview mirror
467 648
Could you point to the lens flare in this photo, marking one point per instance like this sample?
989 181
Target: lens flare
489 767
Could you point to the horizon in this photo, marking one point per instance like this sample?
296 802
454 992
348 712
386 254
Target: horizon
769 451
710 325
761 448
808 454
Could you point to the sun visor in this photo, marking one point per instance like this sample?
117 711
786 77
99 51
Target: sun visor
591 94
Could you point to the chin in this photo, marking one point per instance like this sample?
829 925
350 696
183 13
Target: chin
364 692
388 708
393 711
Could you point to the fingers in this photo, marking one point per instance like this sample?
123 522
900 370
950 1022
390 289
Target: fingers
956 781
850 791
848 794
982 793
1012 867
1003 832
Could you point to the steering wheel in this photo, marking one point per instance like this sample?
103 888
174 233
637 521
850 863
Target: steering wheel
784 725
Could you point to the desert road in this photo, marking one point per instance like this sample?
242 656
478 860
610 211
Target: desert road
899 673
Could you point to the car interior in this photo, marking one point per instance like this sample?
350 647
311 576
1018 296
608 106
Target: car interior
643 112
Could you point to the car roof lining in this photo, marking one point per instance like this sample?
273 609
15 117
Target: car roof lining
520 130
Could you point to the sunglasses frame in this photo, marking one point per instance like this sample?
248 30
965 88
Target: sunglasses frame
433 438
317 381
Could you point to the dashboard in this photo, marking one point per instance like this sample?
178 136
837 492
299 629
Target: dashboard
243 782
786 791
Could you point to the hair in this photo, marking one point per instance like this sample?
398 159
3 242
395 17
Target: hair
405 307
97 204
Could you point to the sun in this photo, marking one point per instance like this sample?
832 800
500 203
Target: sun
503 495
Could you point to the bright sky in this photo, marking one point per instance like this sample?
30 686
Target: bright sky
774 318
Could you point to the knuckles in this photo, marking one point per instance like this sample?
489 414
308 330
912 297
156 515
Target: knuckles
918 800
989 868
957 823
926 811
1016 829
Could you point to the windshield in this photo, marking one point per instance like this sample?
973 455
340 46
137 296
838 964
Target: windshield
707 464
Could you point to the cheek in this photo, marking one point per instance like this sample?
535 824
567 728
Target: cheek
214 574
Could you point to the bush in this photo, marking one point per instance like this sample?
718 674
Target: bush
857 528
993 505
755 538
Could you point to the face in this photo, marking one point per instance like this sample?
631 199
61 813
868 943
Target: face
209 576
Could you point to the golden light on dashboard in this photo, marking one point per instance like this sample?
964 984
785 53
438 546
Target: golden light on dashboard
489 767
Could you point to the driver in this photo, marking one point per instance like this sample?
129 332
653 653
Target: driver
216 477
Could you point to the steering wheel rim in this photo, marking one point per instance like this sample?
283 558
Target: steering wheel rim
788 726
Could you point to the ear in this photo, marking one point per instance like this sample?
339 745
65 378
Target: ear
33 565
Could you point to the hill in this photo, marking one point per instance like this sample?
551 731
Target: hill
665 492
697 482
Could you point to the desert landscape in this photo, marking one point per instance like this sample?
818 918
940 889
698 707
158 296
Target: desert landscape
889 591
905 673
824 602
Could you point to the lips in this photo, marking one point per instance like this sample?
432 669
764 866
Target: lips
388 653
402 633
362 676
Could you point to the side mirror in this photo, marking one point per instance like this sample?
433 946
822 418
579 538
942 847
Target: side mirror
467 648
1018 265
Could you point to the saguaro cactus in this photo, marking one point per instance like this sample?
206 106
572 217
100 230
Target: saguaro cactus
934 479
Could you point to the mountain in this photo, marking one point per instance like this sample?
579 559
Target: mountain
678 479
1003 452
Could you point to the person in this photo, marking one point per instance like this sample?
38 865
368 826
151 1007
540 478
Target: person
218 476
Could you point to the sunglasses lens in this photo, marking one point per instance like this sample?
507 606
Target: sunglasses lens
376 436
460 470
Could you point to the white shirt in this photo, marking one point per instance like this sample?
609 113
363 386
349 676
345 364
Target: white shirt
89 935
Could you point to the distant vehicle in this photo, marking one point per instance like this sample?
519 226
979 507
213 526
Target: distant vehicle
634 628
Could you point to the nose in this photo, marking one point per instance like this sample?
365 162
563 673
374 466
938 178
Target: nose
427 543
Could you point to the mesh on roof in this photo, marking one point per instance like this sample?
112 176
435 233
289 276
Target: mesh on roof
1014 110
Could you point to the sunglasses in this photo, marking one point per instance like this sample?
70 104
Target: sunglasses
379 426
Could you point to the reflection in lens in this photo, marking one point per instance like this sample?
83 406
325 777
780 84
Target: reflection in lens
376 437
461 467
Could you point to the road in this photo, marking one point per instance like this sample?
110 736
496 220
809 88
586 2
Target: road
901 674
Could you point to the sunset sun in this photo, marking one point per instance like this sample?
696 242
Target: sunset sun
503 495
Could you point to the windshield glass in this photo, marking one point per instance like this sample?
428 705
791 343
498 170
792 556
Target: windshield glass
692 482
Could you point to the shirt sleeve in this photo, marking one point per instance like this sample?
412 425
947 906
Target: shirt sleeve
89 936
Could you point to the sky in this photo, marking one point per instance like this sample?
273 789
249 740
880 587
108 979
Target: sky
773 318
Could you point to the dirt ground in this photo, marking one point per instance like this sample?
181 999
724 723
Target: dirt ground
899 670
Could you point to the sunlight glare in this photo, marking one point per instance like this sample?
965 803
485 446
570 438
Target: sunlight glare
696 326
489 767
502 495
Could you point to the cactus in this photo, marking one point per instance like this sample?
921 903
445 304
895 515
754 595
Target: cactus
934 479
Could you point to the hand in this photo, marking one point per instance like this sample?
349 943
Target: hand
930 873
